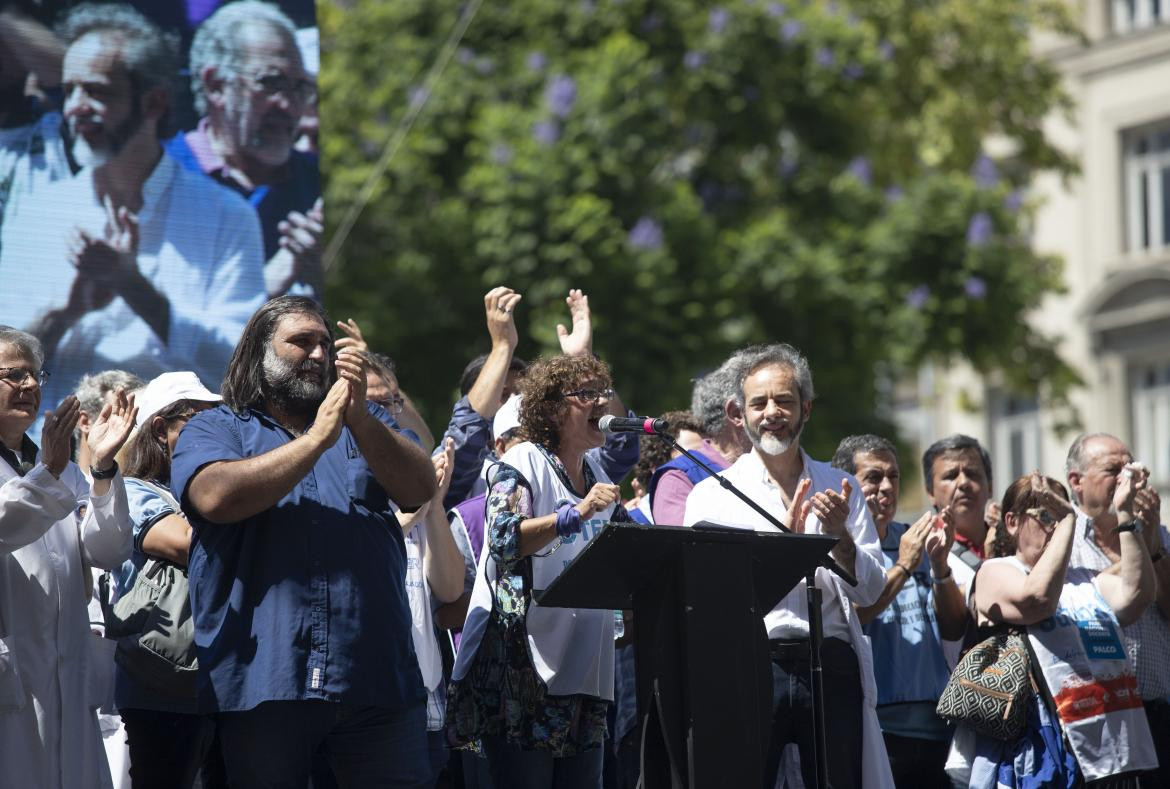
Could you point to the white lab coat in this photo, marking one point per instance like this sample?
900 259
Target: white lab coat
51 679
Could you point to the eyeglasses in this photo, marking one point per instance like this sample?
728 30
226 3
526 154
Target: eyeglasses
591 395
392 404
272 84
17 375
1046 518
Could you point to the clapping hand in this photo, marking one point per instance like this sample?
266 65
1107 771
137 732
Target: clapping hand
351 369
832 509
353 336
55 434
941 537
800 507
112 428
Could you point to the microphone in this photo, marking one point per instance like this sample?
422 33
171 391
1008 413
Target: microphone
638 424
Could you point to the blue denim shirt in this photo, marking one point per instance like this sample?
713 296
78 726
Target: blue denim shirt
306 600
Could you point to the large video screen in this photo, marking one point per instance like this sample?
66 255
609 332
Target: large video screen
158 178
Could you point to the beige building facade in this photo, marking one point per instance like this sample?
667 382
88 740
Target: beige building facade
1111 226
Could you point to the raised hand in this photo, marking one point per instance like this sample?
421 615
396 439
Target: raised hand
351 368
913 542
353 336
832 509
55 434
1129 482
499 305
579 341
444 464
600 496
112 259
940 538
330 417
800 507
113 426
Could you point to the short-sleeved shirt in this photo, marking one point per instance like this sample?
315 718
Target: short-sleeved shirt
306 600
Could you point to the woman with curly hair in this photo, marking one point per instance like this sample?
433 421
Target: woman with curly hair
1071 619
533 684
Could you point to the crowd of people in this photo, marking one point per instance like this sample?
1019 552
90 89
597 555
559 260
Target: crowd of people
292 580
359 597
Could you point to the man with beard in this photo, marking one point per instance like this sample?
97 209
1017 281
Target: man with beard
775 397
251 87
134 263
919 606
297 563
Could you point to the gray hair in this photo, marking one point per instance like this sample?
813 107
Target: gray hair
866 444
27 344
1076 459
218 40
149 54
711 393
779 354
92 389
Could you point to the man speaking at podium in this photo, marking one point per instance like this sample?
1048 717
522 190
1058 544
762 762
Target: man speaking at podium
775 396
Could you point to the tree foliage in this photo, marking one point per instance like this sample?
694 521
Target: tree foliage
811 172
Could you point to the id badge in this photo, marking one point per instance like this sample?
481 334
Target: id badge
1100 640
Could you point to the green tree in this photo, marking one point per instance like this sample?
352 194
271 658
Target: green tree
710 175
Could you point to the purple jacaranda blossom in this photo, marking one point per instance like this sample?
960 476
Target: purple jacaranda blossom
886 50
501 153
984 171
979 230
751 93
418 96
651 22
776 10
546 132
694 59
717 19
917 297
860 169
788 166
853 71
894 194
975 288
1014 201
465 55
561 95
709 193
791 29
587 7
646 234
825 57
536 61
851 20
485 65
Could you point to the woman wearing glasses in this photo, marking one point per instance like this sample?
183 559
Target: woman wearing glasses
533 684
1072 618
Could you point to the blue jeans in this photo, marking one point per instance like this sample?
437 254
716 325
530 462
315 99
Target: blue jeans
515 768
273 744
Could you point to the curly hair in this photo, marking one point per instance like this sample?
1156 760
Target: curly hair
1018 499
543 387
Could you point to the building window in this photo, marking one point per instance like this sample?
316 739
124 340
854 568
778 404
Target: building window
1150 400
1015 438
1147 188
1132 15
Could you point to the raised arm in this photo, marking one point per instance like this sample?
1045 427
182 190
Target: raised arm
486 394
910 548
230 491
1133 587
443 563
950 607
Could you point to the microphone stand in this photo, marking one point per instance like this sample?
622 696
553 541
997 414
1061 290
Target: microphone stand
815 630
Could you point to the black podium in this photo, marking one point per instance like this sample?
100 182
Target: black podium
699 596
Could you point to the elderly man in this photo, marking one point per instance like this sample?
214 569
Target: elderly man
1094 465
298 565
250 84
920 605
775 396
51 674
134 263
713 404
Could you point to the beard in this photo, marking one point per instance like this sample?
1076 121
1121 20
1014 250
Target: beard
286 384
110 145
771 444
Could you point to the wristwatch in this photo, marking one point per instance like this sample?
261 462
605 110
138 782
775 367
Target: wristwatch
1134 526
107 474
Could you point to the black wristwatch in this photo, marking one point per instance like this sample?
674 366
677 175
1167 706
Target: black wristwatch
1134 526
107 474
